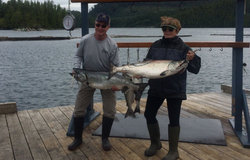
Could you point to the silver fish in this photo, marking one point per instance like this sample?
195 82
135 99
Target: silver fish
129 97
99 80
152 69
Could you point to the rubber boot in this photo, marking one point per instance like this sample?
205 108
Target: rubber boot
173 135
154 133
78 129
106 128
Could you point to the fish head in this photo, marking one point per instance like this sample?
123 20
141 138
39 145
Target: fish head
80 75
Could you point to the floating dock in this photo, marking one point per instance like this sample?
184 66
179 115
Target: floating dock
33 38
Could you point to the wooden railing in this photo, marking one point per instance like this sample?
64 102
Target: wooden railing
191 44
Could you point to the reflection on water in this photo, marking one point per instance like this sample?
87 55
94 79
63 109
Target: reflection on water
35 74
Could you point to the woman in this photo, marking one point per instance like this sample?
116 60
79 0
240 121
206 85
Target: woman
172 88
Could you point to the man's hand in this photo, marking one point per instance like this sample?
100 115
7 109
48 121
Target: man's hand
137 77
114 88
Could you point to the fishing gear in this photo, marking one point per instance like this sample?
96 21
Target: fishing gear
69 21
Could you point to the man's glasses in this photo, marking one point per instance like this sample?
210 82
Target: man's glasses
103 26
164 29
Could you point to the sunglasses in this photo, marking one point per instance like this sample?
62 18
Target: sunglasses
164 29
98 25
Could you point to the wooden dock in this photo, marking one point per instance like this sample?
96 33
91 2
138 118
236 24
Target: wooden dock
41 134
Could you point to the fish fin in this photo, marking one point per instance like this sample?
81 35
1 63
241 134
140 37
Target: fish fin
111 71
137 108
139 92
164 73
129 113
124 90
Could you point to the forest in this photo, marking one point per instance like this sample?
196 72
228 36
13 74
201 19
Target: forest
19 14
192 14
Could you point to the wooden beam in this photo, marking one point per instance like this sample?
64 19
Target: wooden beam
8 107
113 1
228 89
191 44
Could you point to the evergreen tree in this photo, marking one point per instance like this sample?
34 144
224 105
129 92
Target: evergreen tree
19 14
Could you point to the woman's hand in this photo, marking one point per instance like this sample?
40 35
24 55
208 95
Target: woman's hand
190 55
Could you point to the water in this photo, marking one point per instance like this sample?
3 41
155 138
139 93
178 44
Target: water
35 74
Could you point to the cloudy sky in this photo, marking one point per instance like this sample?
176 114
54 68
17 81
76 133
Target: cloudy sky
73 6
64 4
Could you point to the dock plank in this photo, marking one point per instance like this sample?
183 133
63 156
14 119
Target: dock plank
6 151
51 143
58 122
35 142
20 146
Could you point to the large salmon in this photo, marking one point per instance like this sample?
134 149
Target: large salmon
152 69
99 80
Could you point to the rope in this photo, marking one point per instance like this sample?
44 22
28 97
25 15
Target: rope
128 58
70 33
72 81
244 68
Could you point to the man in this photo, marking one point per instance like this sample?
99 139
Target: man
95 52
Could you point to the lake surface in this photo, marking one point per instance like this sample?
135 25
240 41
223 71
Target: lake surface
35 74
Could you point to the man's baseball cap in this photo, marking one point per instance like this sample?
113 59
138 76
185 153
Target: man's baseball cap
103 17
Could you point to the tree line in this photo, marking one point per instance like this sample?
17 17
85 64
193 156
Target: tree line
29 14
198 14
192 14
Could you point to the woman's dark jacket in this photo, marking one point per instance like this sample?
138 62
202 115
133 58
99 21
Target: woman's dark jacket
171 49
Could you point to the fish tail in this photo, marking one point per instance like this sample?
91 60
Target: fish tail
139 92
138 95
111 70
129 113
137 108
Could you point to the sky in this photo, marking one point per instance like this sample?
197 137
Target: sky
73 6
64 4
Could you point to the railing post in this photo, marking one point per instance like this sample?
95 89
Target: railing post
237 73
84 18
